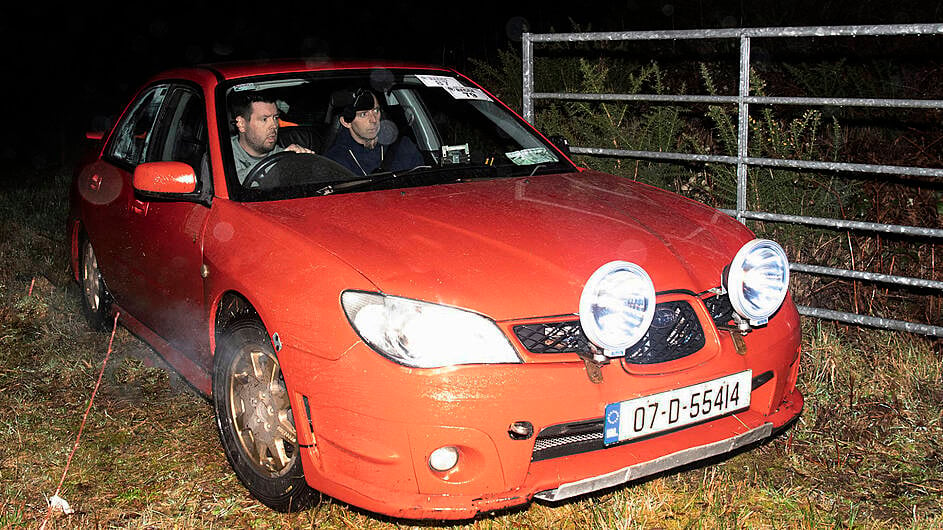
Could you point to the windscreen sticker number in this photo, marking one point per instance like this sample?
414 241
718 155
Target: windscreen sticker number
454 87
467 92
528 157
439 81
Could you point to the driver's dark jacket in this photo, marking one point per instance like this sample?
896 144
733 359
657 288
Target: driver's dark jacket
402 154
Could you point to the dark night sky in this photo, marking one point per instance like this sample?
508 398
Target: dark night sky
66 65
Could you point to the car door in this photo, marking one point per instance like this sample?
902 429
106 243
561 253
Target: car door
106 191
165 237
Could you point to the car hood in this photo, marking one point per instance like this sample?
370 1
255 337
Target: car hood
515 248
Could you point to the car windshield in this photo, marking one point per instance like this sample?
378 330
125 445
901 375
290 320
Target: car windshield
372 129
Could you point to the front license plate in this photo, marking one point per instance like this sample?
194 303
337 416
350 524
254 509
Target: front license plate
672 409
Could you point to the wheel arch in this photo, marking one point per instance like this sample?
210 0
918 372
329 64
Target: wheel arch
232 306
76 232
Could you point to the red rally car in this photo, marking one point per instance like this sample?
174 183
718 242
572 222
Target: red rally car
409 299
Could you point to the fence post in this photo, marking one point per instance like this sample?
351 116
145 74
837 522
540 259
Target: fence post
743 127
526 58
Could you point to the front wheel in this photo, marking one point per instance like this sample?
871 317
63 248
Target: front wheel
254 418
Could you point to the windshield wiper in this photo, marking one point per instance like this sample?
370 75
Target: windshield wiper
543 168
425 173
375 179
342 185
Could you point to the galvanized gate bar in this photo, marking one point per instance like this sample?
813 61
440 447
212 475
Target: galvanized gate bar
743 100
661 155
874 322
867 276
661 98
841 224
845 166
757 100
764 162
849 102
732 33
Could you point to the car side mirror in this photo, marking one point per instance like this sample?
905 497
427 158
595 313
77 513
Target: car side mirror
164 179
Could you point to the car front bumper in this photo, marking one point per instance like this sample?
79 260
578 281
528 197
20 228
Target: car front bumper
368 426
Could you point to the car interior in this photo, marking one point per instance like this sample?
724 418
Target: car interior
316 130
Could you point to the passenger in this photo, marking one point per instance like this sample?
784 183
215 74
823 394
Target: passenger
256 119
361 151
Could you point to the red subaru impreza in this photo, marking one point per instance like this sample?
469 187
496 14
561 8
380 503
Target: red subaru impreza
400 294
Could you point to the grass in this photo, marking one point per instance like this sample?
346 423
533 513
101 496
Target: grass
867 453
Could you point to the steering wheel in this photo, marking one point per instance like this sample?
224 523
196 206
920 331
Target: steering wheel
263 167
287 169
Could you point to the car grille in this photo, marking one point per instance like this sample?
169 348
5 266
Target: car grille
568 439
675 332
553 337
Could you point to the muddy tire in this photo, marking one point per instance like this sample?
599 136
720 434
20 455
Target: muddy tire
254 418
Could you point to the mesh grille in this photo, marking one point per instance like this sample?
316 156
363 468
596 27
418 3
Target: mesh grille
553 337
675 332
546 444
568 439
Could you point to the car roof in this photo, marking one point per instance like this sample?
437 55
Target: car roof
237 70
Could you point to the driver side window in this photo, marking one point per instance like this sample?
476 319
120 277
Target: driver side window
181 133
133 137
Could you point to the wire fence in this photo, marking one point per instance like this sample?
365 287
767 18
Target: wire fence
743 161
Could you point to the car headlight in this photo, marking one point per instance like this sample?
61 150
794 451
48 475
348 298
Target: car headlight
757 280
425 335
617 306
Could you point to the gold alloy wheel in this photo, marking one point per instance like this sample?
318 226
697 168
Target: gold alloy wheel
261 412
91 279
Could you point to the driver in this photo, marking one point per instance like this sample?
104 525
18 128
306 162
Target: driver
256 119
361 151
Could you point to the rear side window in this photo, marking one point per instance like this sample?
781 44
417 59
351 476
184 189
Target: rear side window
132 139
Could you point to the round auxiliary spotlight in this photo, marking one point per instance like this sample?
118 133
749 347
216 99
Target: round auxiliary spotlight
757 280
617 306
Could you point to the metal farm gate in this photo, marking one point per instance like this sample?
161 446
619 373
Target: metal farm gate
743 161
